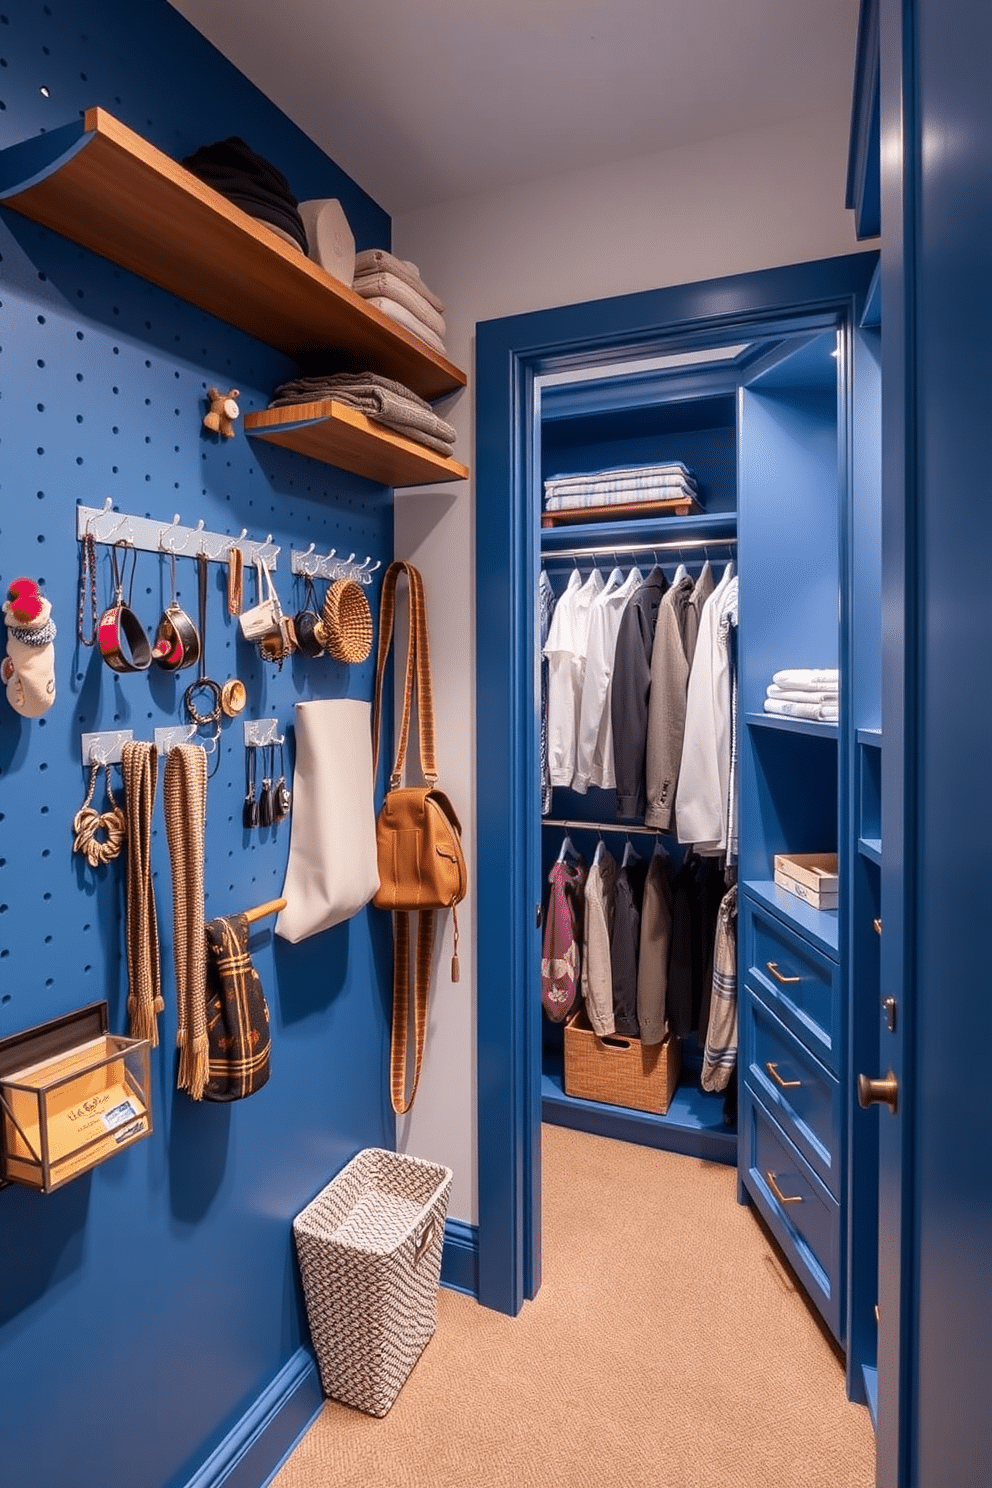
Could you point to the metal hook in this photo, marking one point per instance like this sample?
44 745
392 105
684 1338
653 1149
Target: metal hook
367 577
165 547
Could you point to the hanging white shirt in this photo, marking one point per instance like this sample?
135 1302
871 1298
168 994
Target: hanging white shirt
594 741
701 797
566 653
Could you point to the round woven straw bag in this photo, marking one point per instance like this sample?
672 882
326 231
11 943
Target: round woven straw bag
346 628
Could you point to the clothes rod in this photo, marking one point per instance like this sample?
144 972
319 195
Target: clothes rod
590 826
605 549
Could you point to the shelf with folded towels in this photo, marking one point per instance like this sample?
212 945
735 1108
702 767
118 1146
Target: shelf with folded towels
820 729
104 187
339 435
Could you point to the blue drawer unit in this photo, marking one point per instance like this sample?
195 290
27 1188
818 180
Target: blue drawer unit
803 1096
803 1216
798 980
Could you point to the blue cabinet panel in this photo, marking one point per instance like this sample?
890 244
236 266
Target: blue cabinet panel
802 1215
802 984
804 1097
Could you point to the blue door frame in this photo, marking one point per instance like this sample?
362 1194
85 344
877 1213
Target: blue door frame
510 355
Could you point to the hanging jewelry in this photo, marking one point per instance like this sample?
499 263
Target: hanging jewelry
87 822
249 814
203 683
87 590
284 796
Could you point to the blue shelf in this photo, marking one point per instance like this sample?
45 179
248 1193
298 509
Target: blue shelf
792 725
711 526
870 736
820 926
693 1123
871 848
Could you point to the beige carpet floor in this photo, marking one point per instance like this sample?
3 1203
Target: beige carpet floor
668 1345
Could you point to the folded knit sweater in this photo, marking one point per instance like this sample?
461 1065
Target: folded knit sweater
253 183
379 398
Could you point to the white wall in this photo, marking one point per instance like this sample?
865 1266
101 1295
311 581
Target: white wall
726 206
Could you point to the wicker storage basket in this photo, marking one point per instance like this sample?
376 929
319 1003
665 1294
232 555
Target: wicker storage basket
369 1247
619 1071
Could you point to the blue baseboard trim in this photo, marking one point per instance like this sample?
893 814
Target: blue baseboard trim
255 1449
460 1258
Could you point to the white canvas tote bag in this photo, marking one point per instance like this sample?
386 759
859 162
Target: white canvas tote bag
332 870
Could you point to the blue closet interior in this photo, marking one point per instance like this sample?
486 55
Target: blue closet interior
779 418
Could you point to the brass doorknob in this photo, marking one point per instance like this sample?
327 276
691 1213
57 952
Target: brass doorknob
881 1092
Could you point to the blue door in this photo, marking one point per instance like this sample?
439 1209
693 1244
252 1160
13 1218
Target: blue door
935 1153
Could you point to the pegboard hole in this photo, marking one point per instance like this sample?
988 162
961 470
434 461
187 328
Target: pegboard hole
6 996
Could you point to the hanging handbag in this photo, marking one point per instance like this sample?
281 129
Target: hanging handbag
418 837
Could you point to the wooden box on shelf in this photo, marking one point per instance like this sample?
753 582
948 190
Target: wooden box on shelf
674 506
619 1071
812 877
73 1107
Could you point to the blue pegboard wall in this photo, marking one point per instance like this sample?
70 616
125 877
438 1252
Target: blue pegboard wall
174 1260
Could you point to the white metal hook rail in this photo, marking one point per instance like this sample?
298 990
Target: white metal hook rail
314 565
105 525
260 732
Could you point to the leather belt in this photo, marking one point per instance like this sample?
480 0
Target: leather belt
120 625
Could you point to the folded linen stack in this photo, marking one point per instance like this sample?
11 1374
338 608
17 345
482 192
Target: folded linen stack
620 486
253 184
394 286
805 693
379 398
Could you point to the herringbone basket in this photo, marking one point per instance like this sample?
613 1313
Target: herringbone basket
369 1247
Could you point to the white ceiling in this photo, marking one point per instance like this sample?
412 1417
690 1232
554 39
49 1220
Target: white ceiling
426 101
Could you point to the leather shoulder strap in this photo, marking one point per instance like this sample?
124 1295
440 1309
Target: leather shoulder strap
418 675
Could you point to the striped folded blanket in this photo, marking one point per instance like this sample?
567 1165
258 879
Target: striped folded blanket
623 478
668 491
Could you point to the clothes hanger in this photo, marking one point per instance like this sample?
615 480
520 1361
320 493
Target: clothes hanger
629 854
567 849
600 849
680 573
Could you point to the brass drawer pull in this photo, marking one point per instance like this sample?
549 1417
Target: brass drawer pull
773 968
782 1084
782 1198
878 926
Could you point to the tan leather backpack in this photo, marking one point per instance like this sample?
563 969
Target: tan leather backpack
418 836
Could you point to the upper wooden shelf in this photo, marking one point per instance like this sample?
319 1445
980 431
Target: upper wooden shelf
103 186
342 436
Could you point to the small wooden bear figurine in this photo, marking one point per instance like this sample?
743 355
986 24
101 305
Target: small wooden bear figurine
223 411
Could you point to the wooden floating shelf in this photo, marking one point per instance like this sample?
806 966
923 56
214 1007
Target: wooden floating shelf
103 186
339 435
677 506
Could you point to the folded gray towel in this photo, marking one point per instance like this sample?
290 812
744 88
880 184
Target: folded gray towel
395 288
379 261
410 322
380 398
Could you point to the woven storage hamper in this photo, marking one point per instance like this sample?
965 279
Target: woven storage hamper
369 1247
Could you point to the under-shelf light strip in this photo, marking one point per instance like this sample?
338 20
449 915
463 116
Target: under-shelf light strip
107 526
607 549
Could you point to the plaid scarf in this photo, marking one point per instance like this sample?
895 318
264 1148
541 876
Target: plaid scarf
237 1015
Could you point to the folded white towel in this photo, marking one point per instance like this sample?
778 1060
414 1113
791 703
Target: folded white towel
394 288
801 695
379 261
805 679
821 712
403 317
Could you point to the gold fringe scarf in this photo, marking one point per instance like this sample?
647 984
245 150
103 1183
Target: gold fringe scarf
139 767
185 821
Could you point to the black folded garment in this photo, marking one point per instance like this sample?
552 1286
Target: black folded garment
253 183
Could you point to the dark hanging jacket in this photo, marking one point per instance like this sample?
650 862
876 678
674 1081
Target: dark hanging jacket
631 689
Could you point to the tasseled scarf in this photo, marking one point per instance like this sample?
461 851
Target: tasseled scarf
185 820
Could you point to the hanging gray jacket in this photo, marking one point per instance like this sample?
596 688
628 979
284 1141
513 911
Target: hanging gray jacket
631 688
666 707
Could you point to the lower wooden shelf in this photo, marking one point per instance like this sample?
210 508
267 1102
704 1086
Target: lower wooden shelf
693 1123
676 506
339 435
